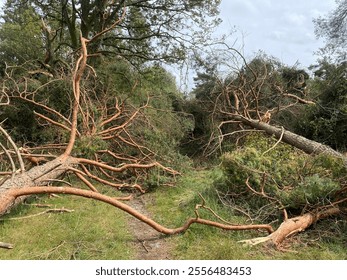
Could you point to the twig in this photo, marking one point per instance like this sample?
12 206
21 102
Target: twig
300 100
210 210
53 122
8 137
10 158
124 198
4 94
58 210
58 181
38 205
279 140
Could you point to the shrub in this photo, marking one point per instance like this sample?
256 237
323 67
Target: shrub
255 176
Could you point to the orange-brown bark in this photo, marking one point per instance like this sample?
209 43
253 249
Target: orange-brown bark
12 194
292 226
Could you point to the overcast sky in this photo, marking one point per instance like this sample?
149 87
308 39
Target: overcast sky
281 28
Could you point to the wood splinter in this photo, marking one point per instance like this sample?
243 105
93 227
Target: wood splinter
6 245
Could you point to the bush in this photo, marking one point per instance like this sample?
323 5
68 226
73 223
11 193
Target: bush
255 176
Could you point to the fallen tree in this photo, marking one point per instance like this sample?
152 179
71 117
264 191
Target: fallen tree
41 178
295 140
293 226
113 125
247 102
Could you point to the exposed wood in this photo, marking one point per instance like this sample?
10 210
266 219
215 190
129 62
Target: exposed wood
6 245
35 160
292 226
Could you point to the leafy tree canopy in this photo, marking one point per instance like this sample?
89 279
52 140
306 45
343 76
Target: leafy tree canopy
333 28
148 30
326 122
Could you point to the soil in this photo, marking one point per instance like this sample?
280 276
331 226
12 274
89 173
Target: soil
149 244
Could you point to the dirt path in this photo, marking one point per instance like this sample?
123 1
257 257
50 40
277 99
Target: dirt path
149 244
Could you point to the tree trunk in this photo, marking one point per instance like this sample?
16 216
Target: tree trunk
292 226
37 176
300 142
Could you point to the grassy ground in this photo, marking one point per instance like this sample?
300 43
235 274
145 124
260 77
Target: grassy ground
201 242
93 231
98 231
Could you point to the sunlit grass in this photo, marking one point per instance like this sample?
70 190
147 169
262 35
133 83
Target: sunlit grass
93 231
172 206
98 231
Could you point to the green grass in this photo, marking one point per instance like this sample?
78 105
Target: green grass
93 231
172 206
98 231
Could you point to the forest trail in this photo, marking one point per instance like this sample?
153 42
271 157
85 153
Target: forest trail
149 244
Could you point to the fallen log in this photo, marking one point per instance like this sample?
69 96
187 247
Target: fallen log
39 175
292 226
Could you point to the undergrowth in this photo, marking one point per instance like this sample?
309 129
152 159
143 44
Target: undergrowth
172 206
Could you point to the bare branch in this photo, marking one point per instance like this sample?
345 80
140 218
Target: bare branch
126 166
78 72
8 137
278 141
10 159
14 193
300 100
53 122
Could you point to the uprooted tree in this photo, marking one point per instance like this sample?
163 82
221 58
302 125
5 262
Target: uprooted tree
301 178
91 139
39 179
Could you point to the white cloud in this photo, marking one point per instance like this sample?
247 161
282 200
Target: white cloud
279 27
295 18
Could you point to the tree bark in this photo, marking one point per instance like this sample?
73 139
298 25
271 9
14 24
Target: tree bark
37 176
295 140
292 226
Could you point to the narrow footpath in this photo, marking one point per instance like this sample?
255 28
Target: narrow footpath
149 244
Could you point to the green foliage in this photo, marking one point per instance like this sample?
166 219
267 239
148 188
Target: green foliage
20 35
164 124
326 122
19 116
282 175
148 31
332 27
311 190
88 146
